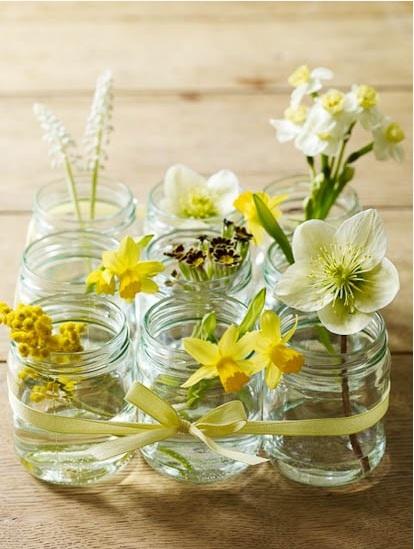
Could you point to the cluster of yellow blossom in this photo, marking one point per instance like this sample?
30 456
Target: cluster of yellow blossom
125 266
60 387
31 329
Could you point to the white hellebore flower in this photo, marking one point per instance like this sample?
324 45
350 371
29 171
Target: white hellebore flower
188 194
387 141
290 126
341 274
362 101
307 82
326 125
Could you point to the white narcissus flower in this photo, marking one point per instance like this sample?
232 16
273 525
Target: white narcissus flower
290 126
188 194
326 125
387 141
362 101
341 274
307 82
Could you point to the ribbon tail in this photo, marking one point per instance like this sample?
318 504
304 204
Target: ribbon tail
129 443
248 459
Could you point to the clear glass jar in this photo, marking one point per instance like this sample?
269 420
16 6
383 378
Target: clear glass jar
297 188
164 367
53 209
238 284
159 222
275 264
89 384
348 380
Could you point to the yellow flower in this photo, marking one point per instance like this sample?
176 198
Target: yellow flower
225 360
300 76
245 204
333 101
273 354
367 96
134 275
102 280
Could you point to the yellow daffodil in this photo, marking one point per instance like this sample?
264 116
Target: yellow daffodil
227 359
273 355
102 280
124 264
245 204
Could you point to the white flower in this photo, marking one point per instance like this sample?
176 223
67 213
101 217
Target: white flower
387 140
362 101
290 126
341 274
307 82
188 194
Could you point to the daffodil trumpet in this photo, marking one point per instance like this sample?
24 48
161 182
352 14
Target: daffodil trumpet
320 123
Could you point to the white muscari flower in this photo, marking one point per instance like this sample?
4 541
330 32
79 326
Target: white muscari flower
98 124
289 127
341 274
387 140
187 194
62 147
307 82
363 101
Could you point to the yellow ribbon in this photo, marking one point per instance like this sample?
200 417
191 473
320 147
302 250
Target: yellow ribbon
229 419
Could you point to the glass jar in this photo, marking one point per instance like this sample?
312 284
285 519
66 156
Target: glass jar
237 284
349 378
53 209
275 264
159 222
89 384
164 366
297 188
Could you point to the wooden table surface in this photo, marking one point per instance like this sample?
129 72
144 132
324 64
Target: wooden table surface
196 83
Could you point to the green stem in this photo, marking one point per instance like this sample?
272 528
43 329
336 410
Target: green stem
72 189
95 174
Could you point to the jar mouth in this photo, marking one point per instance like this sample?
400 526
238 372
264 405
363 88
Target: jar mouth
110 191
156 197
94 311
156 251
296 186
63 246
366 343
159 317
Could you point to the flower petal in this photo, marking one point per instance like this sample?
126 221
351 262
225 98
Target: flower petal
202 351
272 376
245 345
285 130
337 319
321 73
381 286
270 326
231 376
297 288
365 231
205 372
225 188
310 237
148 286
148 268
178 181
228 341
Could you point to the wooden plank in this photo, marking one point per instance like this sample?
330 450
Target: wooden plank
207 132
139 508
398 315
176 46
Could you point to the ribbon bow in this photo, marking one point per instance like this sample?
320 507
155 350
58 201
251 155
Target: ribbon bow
225 420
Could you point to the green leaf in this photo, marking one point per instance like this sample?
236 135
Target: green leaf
346 175
205 329
360 152
272 227
325 339
144 241
253 312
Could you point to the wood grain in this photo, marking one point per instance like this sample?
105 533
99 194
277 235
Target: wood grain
196 82
140 509
207 132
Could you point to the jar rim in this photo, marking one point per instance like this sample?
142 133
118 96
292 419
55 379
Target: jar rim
74 235
348 359
189 233
110 182
89 358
